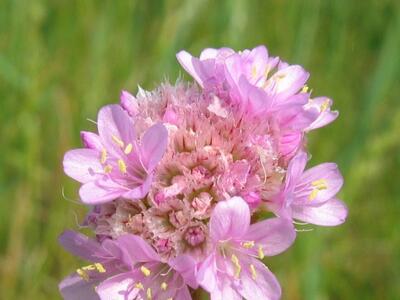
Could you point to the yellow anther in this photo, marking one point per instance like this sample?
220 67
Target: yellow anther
146 272
320 184
100 267
254 71
170 298
103 157
261 254
118 141
82 273
128 149
325 105
164 286
139 286
149 294
236 263
248 245
253 272
313 194
121 165
108 169
304 89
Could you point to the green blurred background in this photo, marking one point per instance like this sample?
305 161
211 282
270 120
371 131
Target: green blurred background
61 60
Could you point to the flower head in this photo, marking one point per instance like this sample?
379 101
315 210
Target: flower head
179 180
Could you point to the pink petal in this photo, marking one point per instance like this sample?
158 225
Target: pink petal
135 249
91 140
295 169
275 235
183 294
154 144
330 213
264 286
93 193
326 174
129 103
81 245
185 265
118 287
325 115
140 191
201 71
82 165
113 122
207 274
74 287
289 80
225 291
230 219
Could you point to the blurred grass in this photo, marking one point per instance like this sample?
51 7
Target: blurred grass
61 60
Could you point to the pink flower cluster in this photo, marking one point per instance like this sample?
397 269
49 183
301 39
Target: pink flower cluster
179 180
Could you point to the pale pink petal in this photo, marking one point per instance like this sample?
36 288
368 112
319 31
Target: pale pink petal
201 71
140 191
129 103
93 193
135 249
182 294
274 235
82 165
80 245
230 219
325 115
207 274
318 184
225 290
114 123
118 287
154 144
263 286
295 169
74 287
289 80
185 265
91 140
208 53
330 213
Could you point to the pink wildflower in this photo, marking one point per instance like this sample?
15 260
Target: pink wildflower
127 268
115 164
233 270
310 196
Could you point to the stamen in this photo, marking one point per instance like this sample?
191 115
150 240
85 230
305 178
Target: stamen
304 89
108 169
164 286
139 286
100 268
236 263
318 185
313 194
248 245
253 272
118 141
254 71
103 156
128 149
146 272
325 105
148 294
261 254
83 274
121 165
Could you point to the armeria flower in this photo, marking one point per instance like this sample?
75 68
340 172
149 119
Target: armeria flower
233 269
309 195
115 164
125 269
